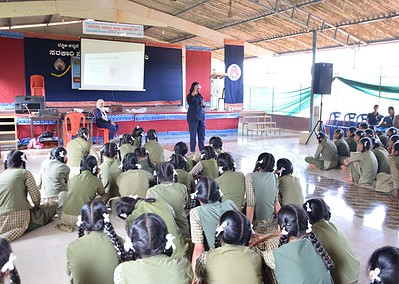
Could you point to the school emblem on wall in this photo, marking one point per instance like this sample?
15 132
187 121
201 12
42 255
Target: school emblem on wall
234 72
59 65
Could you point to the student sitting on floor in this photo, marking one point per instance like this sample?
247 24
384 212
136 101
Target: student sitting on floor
232 261
300 258
343 150
289 186
8 273
392 140
151 245
92 258
350 138
110 169
144 159
363 126
326 156
382 137
390 183
154 147
208 166
217 143
137 134
17 215
182 149
382 156
183 177
126 145
383 266
346 268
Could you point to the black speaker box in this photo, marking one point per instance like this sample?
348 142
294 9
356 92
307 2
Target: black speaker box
26 104
323 75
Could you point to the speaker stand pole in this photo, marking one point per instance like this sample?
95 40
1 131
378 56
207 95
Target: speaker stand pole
314 50
319 123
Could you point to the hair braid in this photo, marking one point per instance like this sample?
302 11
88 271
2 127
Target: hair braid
115 241
81 231
14 276
283 240
321 251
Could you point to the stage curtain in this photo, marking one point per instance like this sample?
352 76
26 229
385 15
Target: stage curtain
198 69
12 69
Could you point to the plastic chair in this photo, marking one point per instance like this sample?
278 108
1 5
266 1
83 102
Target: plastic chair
37 85
105 135
361 118
333 123
349 120
72 122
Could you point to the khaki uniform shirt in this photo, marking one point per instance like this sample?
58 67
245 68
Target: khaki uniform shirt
351 143
53 178
383 160
290 190
77 149
109 172
232 185
134 182
156 151
125 149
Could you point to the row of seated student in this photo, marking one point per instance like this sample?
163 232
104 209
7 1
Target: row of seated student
372 158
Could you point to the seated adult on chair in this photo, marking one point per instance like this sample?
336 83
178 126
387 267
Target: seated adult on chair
326 156
102 120
387 122
374 118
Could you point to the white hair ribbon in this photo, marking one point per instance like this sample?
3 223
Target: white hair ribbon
23 158
128 245
4 159
221 170
175 173
280 171
155 173
85 136
95 170
260 162
120 166
366 142
61 154
134 196
309 229
146 152
9 265
220 193
185 159
155 135
79 222
123 215
234 164
138 166
202 155
106 217
221 228
308 209
252 229
373 275
169 242
284 232
194 195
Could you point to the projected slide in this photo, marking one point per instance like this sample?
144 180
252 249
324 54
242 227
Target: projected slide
110 65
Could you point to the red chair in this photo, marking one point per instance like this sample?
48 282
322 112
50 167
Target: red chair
72 122
105 135
37 86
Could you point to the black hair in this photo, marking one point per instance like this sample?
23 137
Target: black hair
178 161
89 163
317 209
237 230
83 133
386 259
396 146
393 131
151 135
364 125
216 142
340 132
376 143
126 139
366 143
109 150
369 133
130 162
5 252
142 152
93 220
265 162
59 154
181 148
352 129
287 165
391 108
166 172
226 161
360 133
192 87
293 219
394 138
208 190
208 152
15 159
137 135
125 205
148 234
321 135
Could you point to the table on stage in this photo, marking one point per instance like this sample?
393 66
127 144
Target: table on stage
55 118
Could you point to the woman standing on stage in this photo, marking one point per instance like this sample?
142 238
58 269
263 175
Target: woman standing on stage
196 116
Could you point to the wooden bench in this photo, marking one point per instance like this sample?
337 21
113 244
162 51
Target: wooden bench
264 130
253 117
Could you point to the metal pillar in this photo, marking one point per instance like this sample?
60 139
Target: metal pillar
314 49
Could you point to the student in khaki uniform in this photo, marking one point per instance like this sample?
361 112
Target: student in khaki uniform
392 140
16 213
300 257
137 134
92 258
81 189
231 256
144 159
207 166
133 180
326 156
231 183
217 143
262 195
205 218
152 245
183 177
382 137
382 156
173 193
334 241
110 169
79 148
130 208
343 150
289 186
350 138
364 165
182 149
154 147
383 265
390 183
54 176
8 272
126 145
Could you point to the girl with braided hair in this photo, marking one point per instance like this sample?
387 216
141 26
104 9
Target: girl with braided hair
144 159
207 166
300 257
8 269
137 134
183 177
92 258
152 245
110 169
154 147
383 266
262 194
182 149
130 208
334 241
126 145
232 261
289 186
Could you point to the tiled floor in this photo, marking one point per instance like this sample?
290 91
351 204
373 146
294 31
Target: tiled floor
367 218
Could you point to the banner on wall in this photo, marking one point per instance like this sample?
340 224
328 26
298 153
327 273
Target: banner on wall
234 82
75 72
112 29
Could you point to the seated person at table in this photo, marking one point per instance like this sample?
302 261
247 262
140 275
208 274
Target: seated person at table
326 156
102 120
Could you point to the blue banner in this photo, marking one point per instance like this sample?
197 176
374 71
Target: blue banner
234 83
75 74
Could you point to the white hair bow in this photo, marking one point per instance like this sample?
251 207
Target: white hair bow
221 170
309 229
308 209
220 193
280 171
221 228
284 232
106 218
194 195
23 158
62 155
79 222
120 166
128 245
169 242
175 173
95 170
123 215
260 162
134 196
9 265
138 166
373 275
